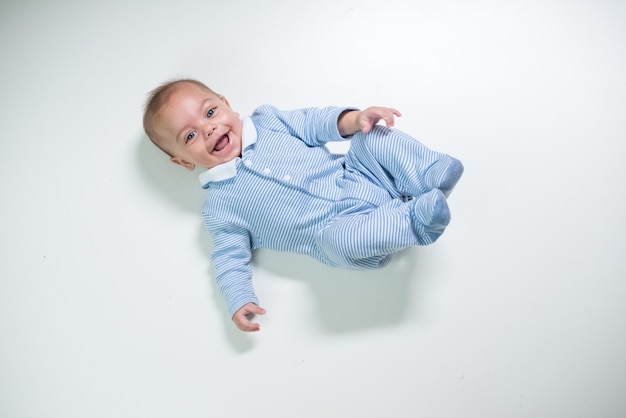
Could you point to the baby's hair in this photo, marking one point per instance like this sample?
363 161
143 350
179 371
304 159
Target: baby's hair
157 98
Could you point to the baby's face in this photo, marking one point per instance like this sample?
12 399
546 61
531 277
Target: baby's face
199 128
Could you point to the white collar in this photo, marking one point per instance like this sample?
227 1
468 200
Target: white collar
228 169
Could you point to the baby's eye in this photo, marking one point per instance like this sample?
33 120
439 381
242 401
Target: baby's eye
190 137
210 112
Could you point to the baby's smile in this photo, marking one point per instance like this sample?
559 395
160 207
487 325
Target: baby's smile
221 143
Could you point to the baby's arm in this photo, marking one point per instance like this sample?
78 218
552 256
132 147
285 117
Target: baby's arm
231 258
313 126
353 121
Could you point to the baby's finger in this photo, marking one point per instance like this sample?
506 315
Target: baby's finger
389 117
257 310
251 327
366 127
244 324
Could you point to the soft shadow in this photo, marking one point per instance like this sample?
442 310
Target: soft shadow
350 300
178 186
240 341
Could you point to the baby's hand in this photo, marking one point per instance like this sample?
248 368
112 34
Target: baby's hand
243 315
372 115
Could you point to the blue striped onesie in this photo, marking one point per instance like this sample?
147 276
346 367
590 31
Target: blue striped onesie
288 192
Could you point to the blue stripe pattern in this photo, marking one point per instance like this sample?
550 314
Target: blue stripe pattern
292 194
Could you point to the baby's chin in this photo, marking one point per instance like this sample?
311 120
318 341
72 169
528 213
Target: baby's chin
220 161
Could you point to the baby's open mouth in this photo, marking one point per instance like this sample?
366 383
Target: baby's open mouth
221 143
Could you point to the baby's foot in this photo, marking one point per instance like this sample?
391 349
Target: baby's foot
430 215
444 174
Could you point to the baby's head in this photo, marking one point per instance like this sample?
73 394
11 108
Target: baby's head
192 124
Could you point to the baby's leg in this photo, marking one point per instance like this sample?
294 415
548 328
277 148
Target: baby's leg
393 155
368 238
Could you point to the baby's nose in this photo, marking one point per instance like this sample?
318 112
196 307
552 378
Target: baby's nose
209 130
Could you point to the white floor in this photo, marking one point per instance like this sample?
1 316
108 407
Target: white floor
107 307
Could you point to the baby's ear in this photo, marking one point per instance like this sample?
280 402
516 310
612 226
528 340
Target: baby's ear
225 100
183 163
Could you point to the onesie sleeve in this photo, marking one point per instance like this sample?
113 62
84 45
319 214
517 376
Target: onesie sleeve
313 126
231 259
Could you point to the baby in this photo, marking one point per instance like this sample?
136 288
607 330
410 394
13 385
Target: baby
272 183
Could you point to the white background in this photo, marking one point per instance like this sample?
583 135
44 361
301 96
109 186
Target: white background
107 306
